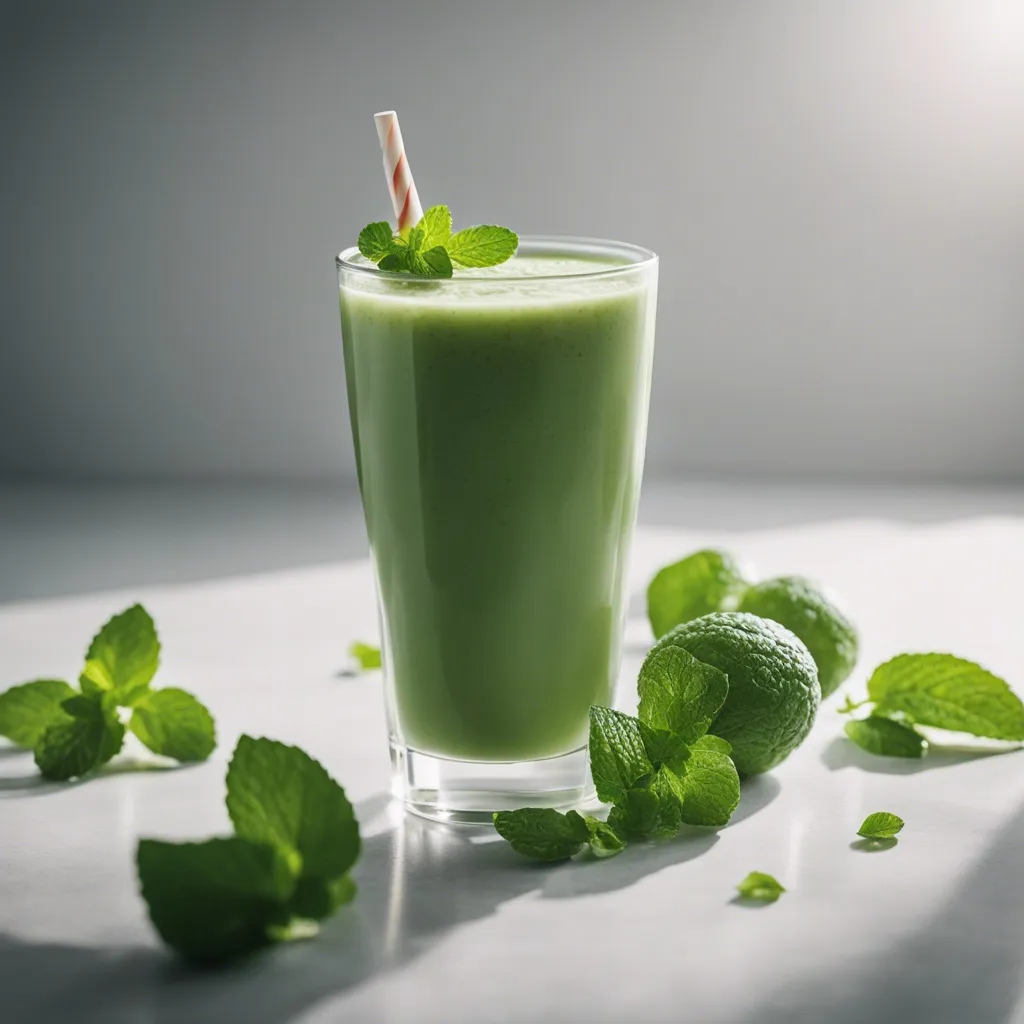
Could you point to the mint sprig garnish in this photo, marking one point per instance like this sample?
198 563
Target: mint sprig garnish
287 866
431 250
658 771
940 691
74 732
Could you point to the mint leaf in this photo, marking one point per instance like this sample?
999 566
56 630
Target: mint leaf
278 794
376 240
711 785
668 788
880 825
680 693
414 240
482 246
885 737
366 656
436 225
759 886
617 757
215 900
435 262
947 692
637 815
123 656
706 581
542 832
92 735
27 710
316 898
604 840
173 723
664 747
398 260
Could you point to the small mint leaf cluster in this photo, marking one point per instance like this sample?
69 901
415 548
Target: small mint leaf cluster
659 771
285 868
941 691
431 250
73 732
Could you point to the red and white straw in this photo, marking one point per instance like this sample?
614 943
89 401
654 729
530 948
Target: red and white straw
404 197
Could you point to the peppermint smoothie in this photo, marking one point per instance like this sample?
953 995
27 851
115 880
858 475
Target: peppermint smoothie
499 420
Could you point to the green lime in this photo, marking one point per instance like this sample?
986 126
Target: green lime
706 581
773 684
800 606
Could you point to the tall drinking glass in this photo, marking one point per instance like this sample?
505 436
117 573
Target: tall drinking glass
499 420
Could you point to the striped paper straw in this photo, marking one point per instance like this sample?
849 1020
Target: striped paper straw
404 197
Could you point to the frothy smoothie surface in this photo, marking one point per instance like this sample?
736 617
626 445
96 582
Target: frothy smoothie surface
499 421
522 278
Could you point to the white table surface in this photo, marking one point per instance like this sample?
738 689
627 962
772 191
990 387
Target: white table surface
452 926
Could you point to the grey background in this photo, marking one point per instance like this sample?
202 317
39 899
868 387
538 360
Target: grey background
836 190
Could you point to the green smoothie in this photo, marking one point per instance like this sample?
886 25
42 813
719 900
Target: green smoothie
499 421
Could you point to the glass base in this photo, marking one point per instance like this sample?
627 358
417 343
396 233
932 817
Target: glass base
469 792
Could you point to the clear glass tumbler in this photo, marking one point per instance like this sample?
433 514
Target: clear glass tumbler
499 419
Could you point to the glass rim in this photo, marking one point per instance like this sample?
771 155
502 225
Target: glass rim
638 258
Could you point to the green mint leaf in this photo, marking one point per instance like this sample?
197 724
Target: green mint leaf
637 815
215 900
173 723
604 840
436 226
90 737
437 262
27 710
885 737
668 788
880 825
706 581
759 886
663 747
711 785
376 240
482 246
414 240
617 757
366 656
123 656
316 899
542 832
278 794
947 692
396 261
679 693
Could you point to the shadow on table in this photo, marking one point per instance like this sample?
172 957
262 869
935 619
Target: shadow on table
417 881
964 965
844 753
32 784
